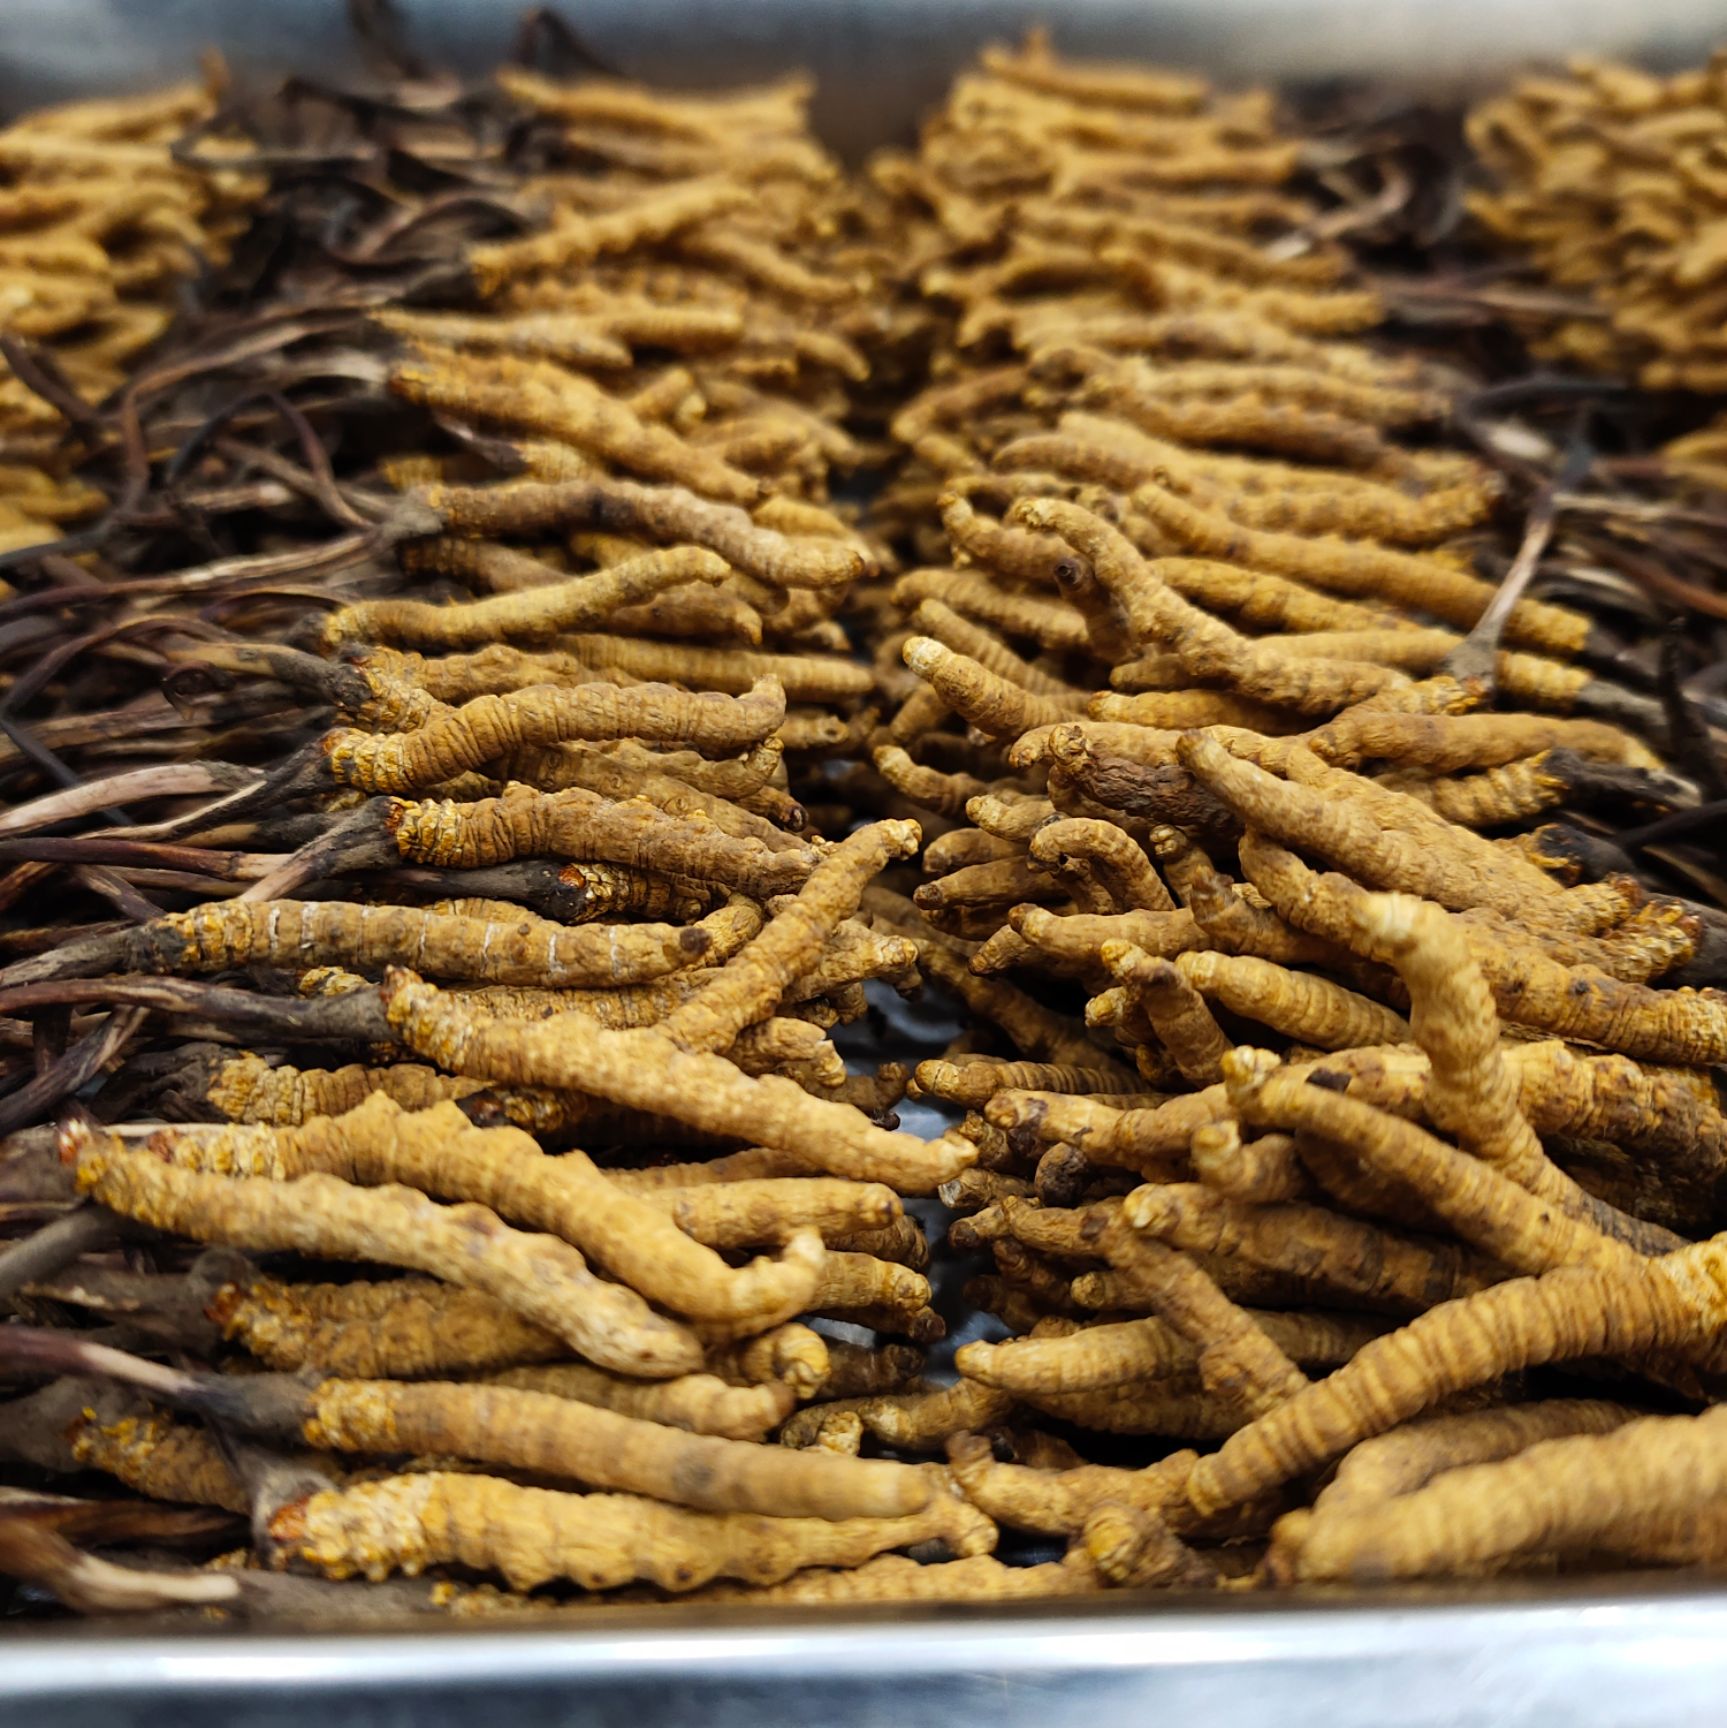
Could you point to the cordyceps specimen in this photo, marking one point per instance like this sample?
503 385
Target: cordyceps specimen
1312 1091
472 776
100 225
1599 183
1576 169
457 586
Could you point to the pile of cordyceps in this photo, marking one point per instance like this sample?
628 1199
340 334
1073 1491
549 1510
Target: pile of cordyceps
1613 183
473 551
100 227
450 818
1328 1087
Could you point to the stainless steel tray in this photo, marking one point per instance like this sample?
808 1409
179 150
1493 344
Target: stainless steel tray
1615 1653
1644 1655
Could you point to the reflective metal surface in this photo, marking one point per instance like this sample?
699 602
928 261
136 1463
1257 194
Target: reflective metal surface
1640 1657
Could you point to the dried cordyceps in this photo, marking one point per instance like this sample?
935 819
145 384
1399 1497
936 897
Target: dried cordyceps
1587 1483
1601 180
659 435
531 1535
100 225
438 1151
522 950
504 926
403 1328
1603 177
702 1403
539 1277
1191 690
648 1071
